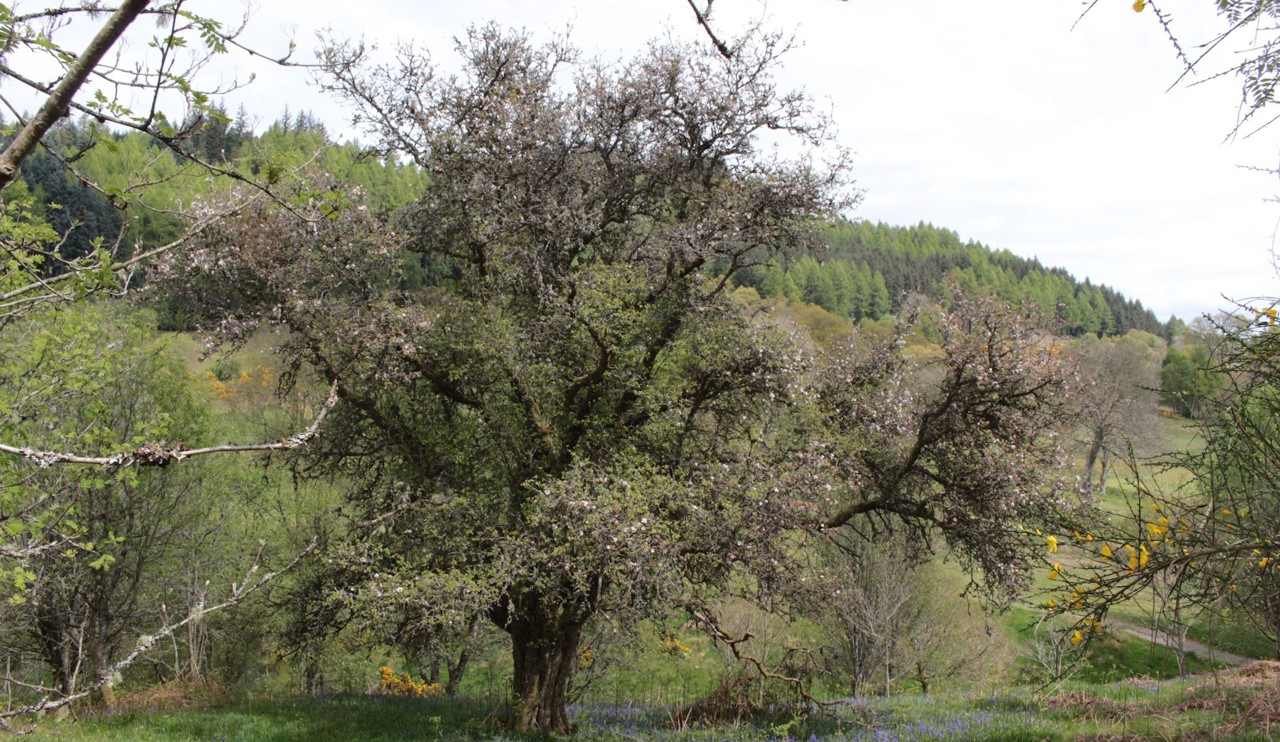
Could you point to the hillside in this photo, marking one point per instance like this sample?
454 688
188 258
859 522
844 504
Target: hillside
866 270
863 270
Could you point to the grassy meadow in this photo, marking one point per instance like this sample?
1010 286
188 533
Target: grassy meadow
1228 705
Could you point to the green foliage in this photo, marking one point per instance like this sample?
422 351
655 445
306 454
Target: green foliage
83 217
868 270
1187 382
26 237
139 185
149 186
62 388
824 327
226 369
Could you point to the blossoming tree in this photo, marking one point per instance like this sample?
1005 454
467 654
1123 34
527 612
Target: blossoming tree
577 421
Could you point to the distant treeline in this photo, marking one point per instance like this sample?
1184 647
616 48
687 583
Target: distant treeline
866 270
130 180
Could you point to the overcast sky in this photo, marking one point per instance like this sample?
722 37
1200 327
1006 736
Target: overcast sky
995 119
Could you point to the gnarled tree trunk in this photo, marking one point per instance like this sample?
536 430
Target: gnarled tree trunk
545 641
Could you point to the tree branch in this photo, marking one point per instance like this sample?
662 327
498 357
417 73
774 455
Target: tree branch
158 453
56 106
704 20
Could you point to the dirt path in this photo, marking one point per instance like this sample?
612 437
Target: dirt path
1200 649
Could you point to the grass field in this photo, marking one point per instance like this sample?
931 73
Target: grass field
1239 705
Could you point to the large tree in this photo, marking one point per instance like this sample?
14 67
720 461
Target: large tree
578 419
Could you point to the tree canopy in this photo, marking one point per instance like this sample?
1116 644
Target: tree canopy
578 418
582 395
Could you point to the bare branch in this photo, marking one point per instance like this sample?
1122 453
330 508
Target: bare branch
159 453
704 19
735 644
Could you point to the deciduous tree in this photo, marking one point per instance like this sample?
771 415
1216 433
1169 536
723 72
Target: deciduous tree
580 420
1118 399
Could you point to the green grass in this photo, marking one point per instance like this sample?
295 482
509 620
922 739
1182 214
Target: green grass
258 350
1108 658
357 718
1233 636
1131 710
330 718
1113 658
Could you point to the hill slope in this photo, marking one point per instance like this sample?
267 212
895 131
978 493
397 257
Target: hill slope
867 270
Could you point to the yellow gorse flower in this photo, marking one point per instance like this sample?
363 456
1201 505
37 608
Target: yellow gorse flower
1139 6
673 646
1053 544
404 685
1105 551
1077 637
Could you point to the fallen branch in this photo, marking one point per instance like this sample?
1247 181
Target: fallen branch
719 634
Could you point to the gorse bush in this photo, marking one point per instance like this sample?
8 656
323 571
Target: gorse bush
403 684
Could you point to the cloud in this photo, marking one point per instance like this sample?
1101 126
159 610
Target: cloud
994 119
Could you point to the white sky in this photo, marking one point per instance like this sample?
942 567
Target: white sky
994 119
